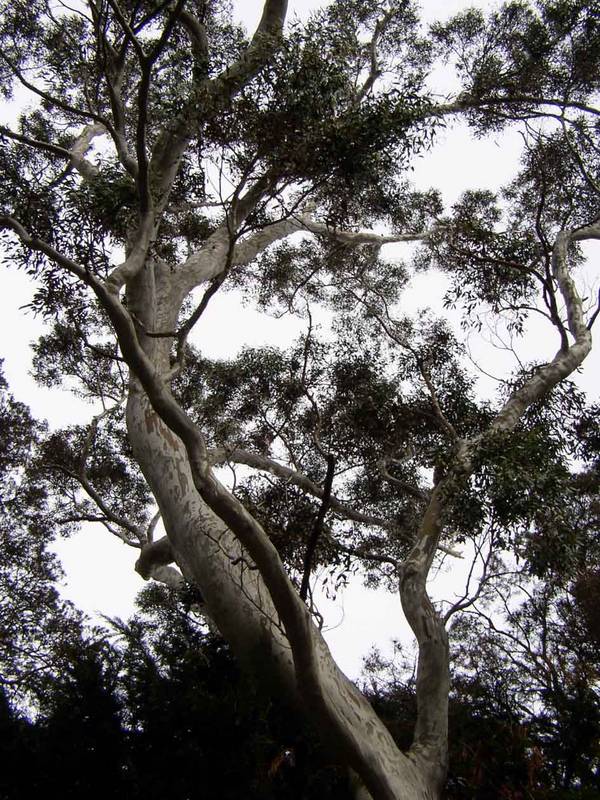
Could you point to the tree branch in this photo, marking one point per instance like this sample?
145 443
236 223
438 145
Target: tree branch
209 96
75 154
466 103
135 260
318 527
222 455
114 66
43 247
205 263
566 360
360 237
430 742
374 71
50 99
409 488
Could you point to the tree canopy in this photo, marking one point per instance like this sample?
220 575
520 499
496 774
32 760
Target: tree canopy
160 156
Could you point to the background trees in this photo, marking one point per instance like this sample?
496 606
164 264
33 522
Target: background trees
166 157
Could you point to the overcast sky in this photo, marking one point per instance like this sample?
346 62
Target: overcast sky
100 575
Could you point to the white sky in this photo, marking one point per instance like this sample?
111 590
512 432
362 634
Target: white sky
99 569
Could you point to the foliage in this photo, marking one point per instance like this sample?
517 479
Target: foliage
37 627
161 709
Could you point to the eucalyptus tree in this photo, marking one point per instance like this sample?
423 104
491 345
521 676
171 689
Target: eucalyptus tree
161 157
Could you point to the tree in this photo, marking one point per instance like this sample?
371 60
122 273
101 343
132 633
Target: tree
209 153
536 663
80 726
37 628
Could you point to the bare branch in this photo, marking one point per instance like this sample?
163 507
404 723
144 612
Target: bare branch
50 99
430 741
80 147
216 255
586 232
207 262
468 599
318 527
35 143
409 488
132 264
239 456
199 41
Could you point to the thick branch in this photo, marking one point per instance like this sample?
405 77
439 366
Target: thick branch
114 67
75 154
209 260
246 251
147 63
80 147
136 258
208 97
566 360
430 742
217 253
197 32
374 69
466 103
359 237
